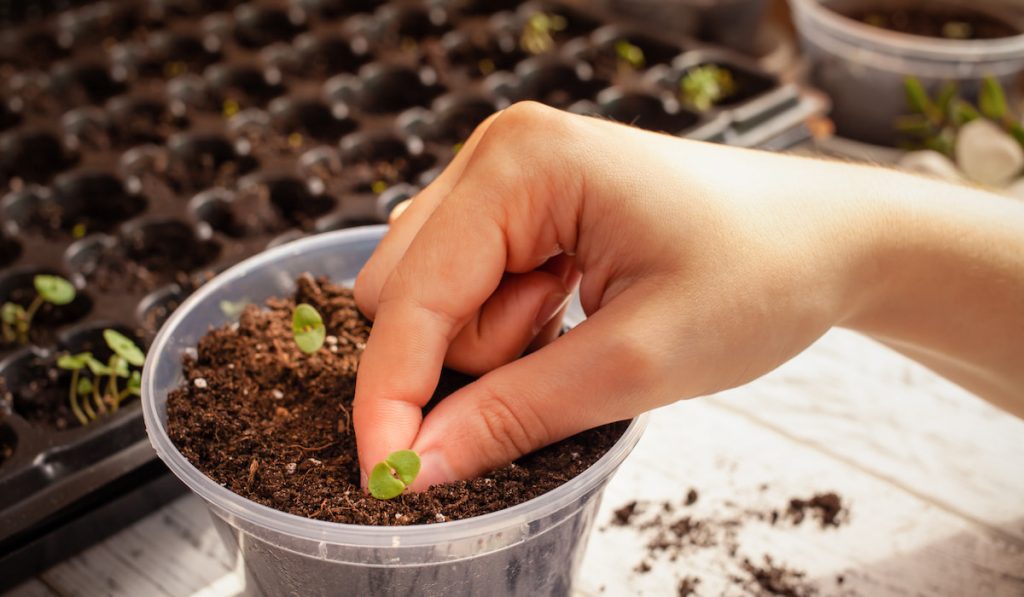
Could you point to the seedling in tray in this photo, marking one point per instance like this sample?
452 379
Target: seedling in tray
106 399
935 123
538 32
390 478
705 86
16 320
631 57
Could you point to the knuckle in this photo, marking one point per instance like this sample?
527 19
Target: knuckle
513 428
365 292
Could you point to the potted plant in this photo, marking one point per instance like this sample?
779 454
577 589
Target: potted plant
532 548
860 52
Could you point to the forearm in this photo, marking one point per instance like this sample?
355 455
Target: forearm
945 284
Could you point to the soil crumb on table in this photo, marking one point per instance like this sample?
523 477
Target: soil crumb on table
674 530
274 425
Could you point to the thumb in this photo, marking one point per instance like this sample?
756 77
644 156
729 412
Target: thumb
562 389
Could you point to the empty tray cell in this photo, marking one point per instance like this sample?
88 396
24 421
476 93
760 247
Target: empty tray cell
405 26
236 86
553 82
138 120
31 48
479 51
391 88
380 160
98 23
172 54
326 54
157 306
333 9
310 118
454 117
645 111
257 26
197 161
33 156
83 82
18 287
8 442
87 128
480 7
10 249
10 113
143 256
84 202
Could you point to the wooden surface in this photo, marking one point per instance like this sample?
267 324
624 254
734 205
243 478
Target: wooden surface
933 477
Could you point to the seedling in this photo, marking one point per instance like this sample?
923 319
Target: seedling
705 86
631 57
16 321
308 328
82 389
537 36
936 122
390 477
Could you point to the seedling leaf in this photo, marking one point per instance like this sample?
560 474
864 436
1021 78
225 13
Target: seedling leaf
74 362
54 289
135 384
406 464
629 54
118 365
991 99
124 348
384 484
97 367
84 386
308 328
917 97
10 313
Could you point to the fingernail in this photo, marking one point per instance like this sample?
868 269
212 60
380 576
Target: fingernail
434 470
552 305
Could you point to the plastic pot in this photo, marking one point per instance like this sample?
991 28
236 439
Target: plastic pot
732 23
863 68
534 548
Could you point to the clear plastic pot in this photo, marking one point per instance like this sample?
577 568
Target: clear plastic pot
862 68
534 548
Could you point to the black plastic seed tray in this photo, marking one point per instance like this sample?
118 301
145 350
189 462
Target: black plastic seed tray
145 146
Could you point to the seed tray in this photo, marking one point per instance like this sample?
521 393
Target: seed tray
145 146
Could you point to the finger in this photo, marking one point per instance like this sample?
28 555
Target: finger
543 397
499 217
398 210
407 223
508 322
512 318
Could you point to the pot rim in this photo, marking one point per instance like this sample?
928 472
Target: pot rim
334 533
874 38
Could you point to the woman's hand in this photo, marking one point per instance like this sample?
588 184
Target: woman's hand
701 267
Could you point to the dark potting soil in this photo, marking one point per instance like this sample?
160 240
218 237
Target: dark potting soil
41 398
674 529
938 21
274 425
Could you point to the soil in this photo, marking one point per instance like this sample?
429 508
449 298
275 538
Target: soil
940 22
274 425
676 529
41 397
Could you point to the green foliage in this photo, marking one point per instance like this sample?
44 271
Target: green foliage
85 392
54 289
16 321
935 123
538 32
705 86
630 56
308 328
390 477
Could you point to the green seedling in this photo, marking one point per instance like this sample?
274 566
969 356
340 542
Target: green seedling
16 321
631 57
538 32
934 123
390 477
706 86
105 399
308 328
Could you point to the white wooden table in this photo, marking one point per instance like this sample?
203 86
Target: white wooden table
934 478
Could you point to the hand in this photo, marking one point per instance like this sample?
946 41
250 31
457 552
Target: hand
701 267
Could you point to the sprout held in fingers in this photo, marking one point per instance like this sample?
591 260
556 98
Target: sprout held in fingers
16 321
308 328
390 477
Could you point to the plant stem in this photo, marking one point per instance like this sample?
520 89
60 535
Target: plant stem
112 392
25 322
73 396
101 407
9 334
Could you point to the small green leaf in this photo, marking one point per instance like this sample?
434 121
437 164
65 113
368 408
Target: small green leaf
382 484
1017 132
74 362
964 112
135 384
54 289
406 464
308 328
232 308
124 347
992 99
10 313
97 367
84 386
629 53
917 97
118 365
914 124
945 98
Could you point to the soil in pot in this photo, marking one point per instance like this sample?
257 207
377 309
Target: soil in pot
274 425
945 22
